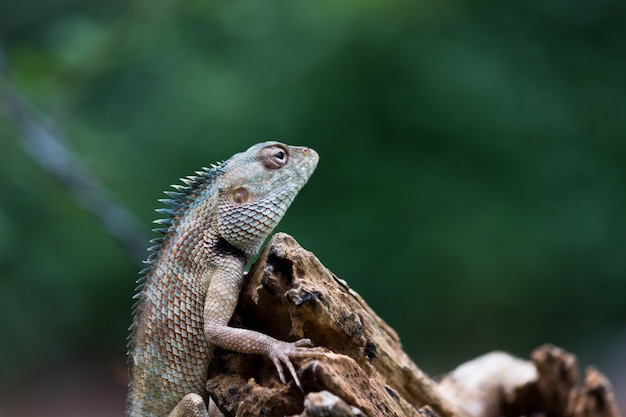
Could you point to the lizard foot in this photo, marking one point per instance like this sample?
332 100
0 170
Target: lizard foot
280 353
192 405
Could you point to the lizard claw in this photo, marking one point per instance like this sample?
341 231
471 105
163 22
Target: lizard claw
303 343
281 355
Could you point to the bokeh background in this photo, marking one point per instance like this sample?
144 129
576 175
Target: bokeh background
471 187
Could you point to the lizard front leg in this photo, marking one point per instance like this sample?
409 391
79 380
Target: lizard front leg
221 300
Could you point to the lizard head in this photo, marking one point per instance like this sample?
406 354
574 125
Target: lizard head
256 188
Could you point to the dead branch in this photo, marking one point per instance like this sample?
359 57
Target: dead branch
290 295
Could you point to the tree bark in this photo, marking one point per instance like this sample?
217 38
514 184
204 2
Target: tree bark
290 295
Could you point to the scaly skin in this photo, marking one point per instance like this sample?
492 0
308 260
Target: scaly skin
192 283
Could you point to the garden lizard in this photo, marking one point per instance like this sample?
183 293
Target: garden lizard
189 290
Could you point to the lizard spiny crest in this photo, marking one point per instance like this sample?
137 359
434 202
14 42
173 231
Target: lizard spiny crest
178 203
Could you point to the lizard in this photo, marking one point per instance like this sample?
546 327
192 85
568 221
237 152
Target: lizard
188 292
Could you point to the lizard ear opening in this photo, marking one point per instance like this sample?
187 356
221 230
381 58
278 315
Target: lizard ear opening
274 157
240 195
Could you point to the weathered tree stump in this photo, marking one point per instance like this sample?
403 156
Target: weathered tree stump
290 295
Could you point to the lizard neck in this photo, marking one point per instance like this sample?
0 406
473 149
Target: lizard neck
195 241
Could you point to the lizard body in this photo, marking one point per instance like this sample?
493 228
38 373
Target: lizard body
190 289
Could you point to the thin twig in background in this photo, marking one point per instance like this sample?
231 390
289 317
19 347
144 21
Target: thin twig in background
55 158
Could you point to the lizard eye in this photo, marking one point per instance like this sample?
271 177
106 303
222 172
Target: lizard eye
274 157
240 195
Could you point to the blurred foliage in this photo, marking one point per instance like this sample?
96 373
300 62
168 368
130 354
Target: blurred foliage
473 159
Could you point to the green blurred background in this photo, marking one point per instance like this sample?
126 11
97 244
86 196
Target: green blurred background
471 185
